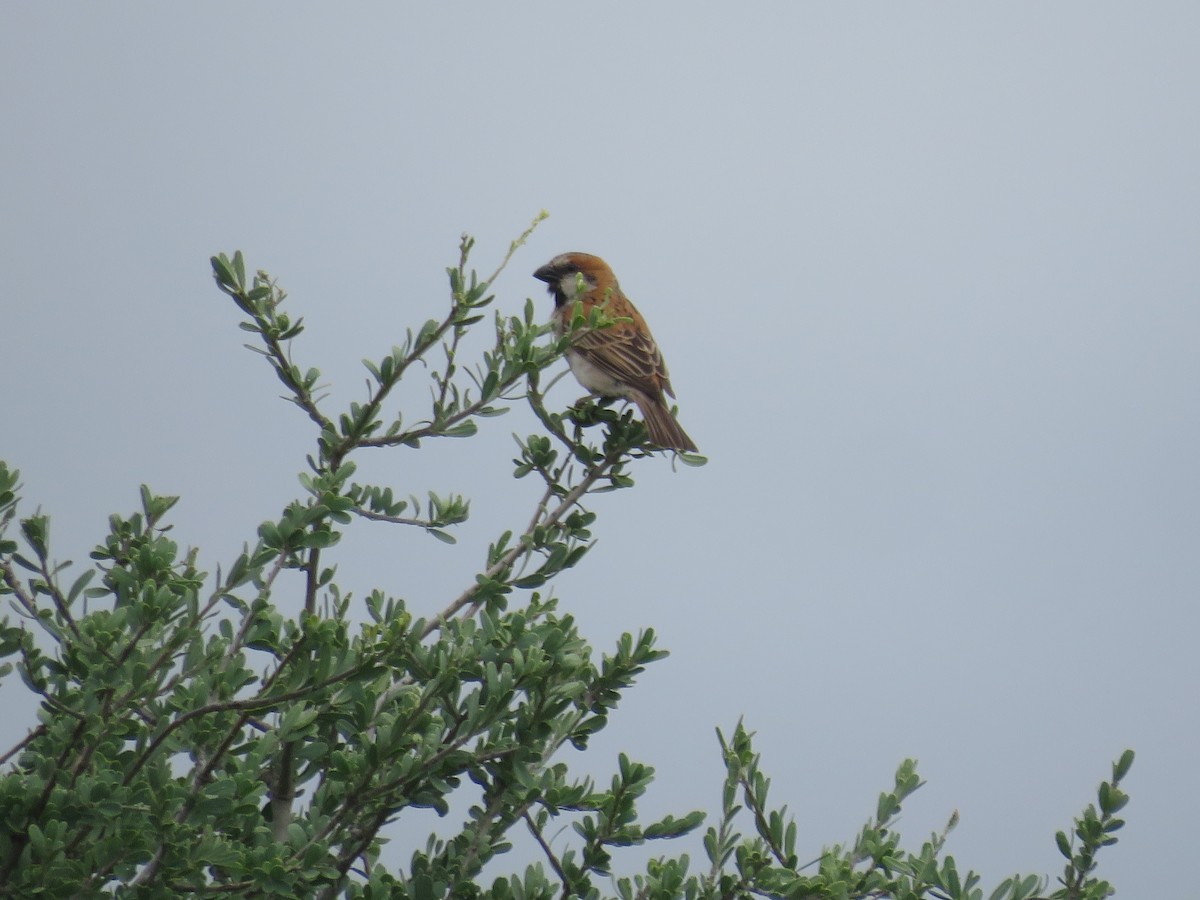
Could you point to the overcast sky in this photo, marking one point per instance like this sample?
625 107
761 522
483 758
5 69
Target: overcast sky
925 276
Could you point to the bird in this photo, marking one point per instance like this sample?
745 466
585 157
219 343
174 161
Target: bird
621 359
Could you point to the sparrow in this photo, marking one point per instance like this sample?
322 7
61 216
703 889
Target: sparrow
620 360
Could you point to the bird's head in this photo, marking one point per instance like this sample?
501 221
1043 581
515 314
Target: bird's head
570 274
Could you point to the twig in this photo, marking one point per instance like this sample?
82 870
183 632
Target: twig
524 545
550 857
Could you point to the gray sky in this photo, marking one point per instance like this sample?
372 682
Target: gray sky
925 275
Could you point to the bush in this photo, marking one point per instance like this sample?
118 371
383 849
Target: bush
191 739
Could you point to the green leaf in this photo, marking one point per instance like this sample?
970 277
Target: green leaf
463 429
223 271
1064 845
670 827
442 536
1122 766
80 583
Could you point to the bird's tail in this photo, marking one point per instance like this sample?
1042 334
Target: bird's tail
664 430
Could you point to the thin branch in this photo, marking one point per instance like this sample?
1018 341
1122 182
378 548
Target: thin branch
524 545
431 430
200 776
482 828
284 365
760 820
249 705
371 407
311 570
550 857
536 402
395 520
60 602
518 243
14 585
23 743
19 840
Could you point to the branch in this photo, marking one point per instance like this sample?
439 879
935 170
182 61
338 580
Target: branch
33 735
524 544
550 857
432 429
395 520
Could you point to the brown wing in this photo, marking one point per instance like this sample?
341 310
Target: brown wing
626 350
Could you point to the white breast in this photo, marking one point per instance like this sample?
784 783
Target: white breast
593 378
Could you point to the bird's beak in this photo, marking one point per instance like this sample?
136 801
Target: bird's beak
547 273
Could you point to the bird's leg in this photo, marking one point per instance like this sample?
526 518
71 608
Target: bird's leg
596 399
603 401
